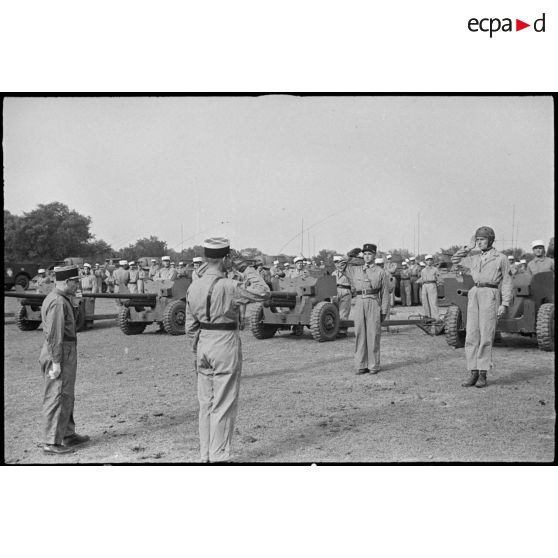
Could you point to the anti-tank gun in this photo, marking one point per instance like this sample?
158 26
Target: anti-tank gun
164 302
531 312
296 303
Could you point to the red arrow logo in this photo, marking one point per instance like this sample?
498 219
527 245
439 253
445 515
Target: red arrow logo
519 25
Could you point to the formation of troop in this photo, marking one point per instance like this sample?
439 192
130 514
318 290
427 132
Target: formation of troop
223 283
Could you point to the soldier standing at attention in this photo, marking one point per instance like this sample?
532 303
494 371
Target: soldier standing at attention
513 266
276 270
42 279
153 269
405 285
109 275
344 296
391 268
491 274
87 283
522 267
429 281
166 273
134 277
212 318
143 277
121 277
414 269
181 270
99 275
58 361
372 306
540 262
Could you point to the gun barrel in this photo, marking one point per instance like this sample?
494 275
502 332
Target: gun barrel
282 299
123 296
26 295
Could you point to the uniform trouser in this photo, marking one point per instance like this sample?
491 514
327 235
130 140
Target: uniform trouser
344 298
368 331
58 400
482 311
219 365
89 304
415 290
430 300
391 291
140 286
405 288
133 287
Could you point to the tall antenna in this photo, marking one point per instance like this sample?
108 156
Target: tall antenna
513 223
302 237
418 235
414 239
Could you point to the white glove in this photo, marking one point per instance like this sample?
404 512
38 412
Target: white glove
55 371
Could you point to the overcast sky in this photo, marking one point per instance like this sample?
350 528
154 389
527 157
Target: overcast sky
355 169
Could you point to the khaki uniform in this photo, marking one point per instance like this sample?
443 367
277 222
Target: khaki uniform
491 274
415 270
513 268
165 274
121 279
429 281
276 271
143 277
87 285
405 287
60 346
218 353
538 265
390 269
99 275
109 279
133 282
344 296
43 281
372 290
294 273
153 270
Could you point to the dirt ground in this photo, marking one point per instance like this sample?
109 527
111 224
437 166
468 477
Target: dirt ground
300 400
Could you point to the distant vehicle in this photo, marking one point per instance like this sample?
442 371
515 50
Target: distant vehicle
19 273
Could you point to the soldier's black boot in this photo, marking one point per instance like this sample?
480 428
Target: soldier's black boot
473 379
482 379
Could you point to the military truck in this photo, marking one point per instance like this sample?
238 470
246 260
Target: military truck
531 312
19 273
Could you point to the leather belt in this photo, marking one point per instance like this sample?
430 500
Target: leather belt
368 292
343 286
225 326
488 285
424 282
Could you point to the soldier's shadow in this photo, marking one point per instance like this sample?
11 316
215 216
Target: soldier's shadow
518 377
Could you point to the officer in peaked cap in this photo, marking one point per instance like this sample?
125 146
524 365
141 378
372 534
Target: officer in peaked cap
212 320
153 269
87 283
198 267
522 267
487 301
298 270
58 362
372 306
344 296
541 262
513 265
121 277
276 270
42 279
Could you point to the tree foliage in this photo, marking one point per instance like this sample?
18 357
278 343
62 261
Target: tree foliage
51 232
145 247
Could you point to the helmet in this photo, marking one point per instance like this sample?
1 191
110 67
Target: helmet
486 232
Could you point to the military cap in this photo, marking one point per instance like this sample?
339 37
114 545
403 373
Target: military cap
298 259
337 258
216 247
369 248
422 264
286 264
87 265
42 270
66 272
165 259
428 257
132 263
180 263
412 258
379 261
197 259
153 260
511 258
536 243
388 256
404 263
276 262
123 262
522 261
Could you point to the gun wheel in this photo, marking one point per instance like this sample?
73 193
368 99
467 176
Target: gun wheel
324 321
174 318
127 327
258 328
23 323
453 326
545 327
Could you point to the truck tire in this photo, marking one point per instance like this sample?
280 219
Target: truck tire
127 327
174 318
324 322
22 280
453 326
23 323
545 327
258 328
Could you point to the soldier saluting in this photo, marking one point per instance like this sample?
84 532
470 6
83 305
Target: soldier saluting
372 305
487 301
58 361
212 323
